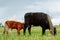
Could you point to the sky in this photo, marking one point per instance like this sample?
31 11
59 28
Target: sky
15 9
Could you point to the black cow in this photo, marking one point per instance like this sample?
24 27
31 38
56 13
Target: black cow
38 19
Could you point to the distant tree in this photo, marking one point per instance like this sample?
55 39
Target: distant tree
59 24
1 25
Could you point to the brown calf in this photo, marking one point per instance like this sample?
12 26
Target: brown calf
13 25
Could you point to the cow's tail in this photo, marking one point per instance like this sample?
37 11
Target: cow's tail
51 25
6 29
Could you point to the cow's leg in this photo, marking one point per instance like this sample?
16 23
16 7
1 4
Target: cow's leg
25 26
29 29
43 31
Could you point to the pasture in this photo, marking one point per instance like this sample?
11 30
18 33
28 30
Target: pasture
36 35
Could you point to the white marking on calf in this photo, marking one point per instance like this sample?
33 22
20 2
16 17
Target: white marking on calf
6 28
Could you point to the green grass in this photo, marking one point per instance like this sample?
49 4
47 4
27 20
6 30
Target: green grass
36 35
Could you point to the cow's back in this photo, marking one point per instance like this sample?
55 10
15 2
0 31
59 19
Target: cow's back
37 18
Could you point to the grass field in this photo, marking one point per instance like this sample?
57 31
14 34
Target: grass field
36 35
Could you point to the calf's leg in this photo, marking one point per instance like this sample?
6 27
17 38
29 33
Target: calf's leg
6 29
18 31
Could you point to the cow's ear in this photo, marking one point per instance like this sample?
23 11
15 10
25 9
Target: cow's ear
55 31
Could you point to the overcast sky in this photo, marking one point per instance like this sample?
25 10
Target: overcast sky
15 9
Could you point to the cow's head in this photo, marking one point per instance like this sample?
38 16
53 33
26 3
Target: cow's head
53 31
